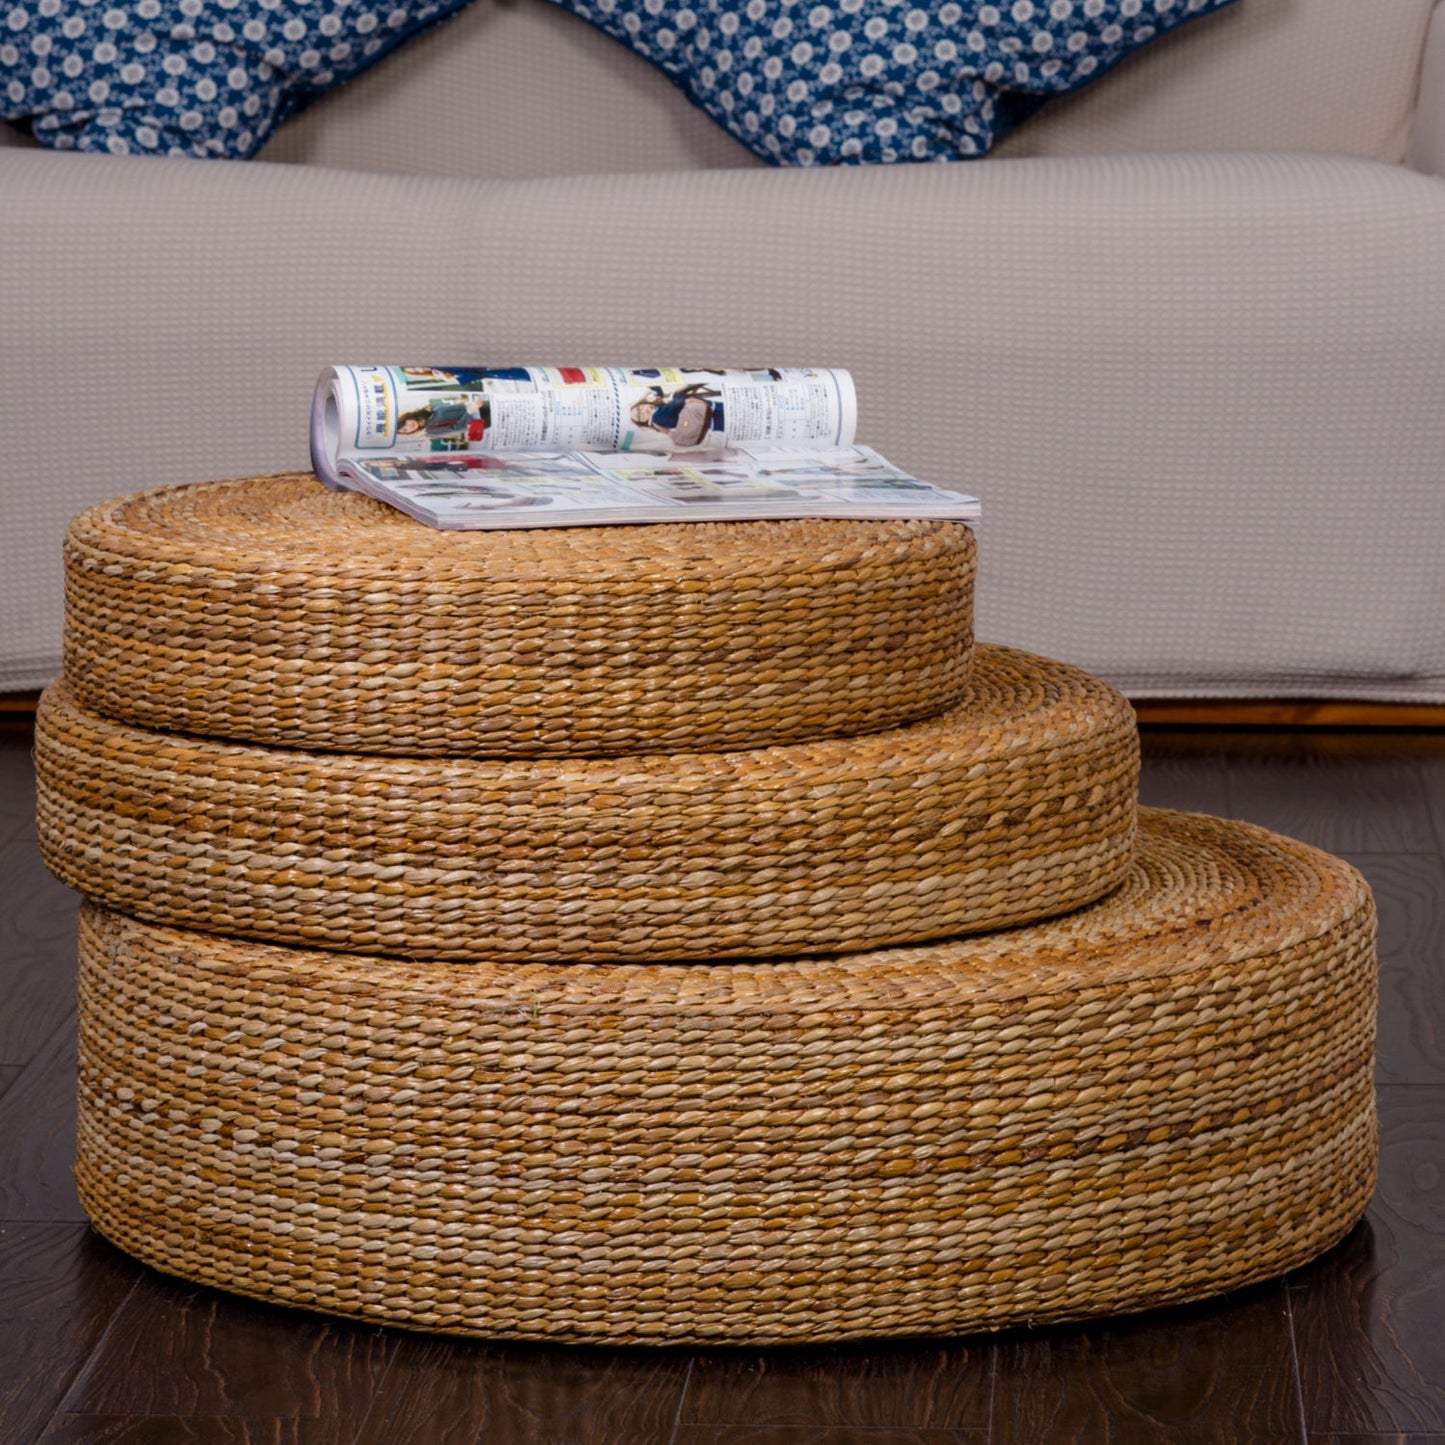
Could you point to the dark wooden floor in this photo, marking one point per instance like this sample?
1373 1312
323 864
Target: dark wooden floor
1348 1350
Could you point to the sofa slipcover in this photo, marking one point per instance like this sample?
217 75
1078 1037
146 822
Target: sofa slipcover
1201 392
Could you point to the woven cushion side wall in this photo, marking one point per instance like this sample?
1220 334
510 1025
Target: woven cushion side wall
1164 1095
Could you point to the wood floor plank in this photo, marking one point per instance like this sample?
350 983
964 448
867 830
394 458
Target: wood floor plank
920 1386
1432 774
1221 1371
1369 1318
1184 771
1393 1439
1409 894
824 1435
37 1136
38 949
454 1392
177 1350
60 1286
1339 801
194 1430
17 785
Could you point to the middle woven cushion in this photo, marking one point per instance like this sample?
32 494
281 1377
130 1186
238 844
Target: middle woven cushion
1015 806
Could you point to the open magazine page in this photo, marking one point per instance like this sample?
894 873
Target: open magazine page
568 489
366 411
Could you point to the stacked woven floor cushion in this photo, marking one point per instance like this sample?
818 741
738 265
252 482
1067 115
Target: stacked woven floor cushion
275 611
763 1020
1015 805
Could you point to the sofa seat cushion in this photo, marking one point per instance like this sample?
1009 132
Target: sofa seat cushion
201 78
854 81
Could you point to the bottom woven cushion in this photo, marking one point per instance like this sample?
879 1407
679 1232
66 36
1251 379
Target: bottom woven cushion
1159 1097
1017 805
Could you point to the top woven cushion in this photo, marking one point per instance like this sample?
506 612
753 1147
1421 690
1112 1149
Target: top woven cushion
273 610
198 78
850 81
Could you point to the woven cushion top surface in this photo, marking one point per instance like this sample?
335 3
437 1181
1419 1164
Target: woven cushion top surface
290 524
1199 892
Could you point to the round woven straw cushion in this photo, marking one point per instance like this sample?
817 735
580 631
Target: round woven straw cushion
273 610
1165 1095
1018 805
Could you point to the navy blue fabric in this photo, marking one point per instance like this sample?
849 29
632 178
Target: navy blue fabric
804 83
197 78
799 83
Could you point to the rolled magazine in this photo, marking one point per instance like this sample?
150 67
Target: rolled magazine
566 446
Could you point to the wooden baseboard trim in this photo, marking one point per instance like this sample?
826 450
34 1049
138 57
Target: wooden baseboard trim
1286 713
18 705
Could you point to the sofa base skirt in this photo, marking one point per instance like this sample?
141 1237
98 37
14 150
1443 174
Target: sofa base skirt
1163 1096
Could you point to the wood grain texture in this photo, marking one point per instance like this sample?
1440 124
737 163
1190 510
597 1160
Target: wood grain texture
1183 771
1409 891
184 1430
1219 1372
923 1386
448 1392
1368 1317
1343 807
1336 800
59 1288
179 1350
37 1136
37 946
1395 1438
824 1435
1432 773
17 786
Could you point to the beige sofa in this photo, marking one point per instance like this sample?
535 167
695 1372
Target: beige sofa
1184 333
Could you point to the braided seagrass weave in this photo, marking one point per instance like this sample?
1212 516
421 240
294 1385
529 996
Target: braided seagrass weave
1018 805
273 610
1165 1095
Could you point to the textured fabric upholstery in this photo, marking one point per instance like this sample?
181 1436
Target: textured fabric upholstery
562 98
602 108
1325 75
198 79
1202 396
873 81
1427 139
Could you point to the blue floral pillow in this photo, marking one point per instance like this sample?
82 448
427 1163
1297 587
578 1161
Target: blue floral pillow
824 82
193 77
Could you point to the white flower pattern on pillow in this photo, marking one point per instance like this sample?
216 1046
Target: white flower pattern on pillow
800 82
193 77
828 82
